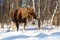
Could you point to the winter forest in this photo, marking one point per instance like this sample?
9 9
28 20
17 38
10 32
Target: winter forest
45 27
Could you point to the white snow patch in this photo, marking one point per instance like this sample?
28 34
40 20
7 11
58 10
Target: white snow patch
30 33
10 34
52 38
31 38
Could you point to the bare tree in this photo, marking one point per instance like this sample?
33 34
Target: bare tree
39 14
17 3
59 4
33 4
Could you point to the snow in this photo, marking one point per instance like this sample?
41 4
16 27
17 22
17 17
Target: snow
52 38
30 33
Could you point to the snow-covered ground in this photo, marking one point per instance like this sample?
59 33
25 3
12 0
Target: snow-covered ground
31 33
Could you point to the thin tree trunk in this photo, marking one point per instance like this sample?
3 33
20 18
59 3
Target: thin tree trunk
39 14
17 3
54 12
33 4
59 4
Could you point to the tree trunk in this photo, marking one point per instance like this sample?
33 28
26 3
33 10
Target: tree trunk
33 4
39 14
17 3
59 4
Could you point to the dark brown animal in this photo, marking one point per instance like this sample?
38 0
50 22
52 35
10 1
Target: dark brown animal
21 14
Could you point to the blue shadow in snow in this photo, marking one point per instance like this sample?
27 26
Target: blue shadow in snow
30 29
46 28
42 35
15 37
55 34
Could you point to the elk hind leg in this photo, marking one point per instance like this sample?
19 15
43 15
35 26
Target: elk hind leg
13 25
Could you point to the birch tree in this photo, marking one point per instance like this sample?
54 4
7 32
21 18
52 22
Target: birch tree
33 4
39 14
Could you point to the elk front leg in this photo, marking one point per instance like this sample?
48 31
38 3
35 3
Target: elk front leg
23 26
17 25
24 23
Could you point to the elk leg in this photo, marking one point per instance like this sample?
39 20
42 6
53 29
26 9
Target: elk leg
13 25
24 23
17 25
23 26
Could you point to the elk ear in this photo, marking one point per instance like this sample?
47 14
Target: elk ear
28 9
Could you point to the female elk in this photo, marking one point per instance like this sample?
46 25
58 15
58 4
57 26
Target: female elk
21 14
